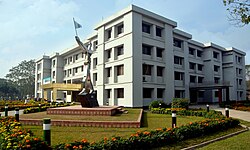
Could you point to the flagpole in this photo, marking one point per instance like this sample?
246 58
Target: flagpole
75 26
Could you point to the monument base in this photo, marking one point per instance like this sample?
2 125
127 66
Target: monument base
88 100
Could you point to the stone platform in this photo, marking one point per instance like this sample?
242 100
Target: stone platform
78 110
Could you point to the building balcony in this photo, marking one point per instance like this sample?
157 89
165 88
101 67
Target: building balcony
210 84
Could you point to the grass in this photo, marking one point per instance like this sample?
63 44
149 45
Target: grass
71 134
240 142
131 116
198 140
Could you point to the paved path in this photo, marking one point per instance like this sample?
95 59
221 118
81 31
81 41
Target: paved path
244 115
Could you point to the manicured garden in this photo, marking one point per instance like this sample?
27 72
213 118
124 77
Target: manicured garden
156 131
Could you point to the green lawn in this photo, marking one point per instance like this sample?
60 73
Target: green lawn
132 115
238 142
71 134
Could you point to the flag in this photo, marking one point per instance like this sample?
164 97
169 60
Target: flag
77 25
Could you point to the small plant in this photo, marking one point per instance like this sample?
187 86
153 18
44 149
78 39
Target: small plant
180 103
158 104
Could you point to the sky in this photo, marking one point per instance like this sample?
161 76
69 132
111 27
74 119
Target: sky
30 29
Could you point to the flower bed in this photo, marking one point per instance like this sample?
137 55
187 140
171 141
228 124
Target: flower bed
157 138
13 136
43 108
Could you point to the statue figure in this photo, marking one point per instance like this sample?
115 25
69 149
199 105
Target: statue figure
87 96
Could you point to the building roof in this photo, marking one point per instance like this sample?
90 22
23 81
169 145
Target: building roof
139 10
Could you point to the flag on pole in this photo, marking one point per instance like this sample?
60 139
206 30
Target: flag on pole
77 25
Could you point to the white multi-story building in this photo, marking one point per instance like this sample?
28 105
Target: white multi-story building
138 57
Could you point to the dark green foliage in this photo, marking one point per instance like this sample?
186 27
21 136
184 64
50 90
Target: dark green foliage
180 103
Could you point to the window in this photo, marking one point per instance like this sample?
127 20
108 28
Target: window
108 93
146 28
94 77
158 31
192 66
69 71
177 43
160 71
191 51
76 57
76 70
108 72
159 52
65 73
146 69
65 61
160 93
120 50
54 63
146 49
120 29
108 52
179 93
240 81
69 60
82 68
216 93
199 53
120 70
95 44
178 60
108 33
39 76
216 55
54 74
216 80
38 66
192 79
147 92
239 59
199 66
94 63
200 79
240 71
178 75
120 93
216 68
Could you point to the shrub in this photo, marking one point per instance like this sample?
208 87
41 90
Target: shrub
158 104
13 136
180 103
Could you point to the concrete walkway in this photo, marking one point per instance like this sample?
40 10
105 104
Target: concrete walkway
243 115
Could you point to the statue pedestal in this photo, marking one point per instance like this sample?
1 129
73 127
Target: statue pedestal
88 100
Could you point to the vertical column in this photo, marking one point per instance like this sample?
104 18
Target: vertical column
220 95
174 119
6 110
46 130
17 114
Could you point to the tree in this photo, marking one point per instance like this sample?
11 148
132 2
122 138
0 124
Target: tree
8 89
247 72
239 11
23 77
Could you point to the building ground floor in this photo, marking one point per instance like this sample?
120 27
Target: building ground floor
128 95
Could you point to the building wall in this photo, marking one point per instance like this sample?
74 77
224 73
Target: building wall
168 78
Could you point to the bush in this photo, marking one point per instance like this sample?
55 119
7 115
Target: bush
156 138
13 136
180 103
158 104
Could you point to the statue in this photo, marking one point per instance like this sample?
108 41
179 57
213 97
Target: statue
87 96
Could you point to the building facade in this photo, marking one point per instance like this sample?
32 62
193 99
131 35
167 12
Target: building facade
139 56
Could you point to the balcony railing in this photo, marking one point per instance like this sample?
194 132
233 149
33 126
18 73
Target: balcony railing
210 84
